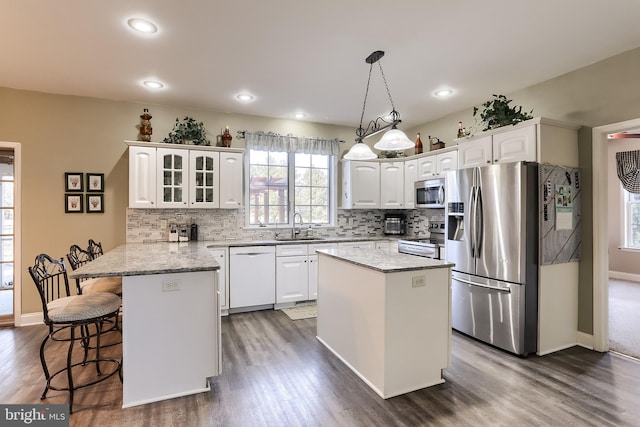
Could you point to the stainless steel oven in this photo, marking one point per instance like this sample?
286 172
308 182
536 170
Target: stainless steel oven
430 193
430 247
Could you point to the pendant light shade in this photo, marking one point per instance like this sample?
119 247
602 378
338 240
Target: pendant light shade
394 140
360 151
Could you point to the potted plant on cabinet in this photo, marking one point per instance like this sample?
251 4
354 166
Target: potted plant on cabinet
497 113
189 130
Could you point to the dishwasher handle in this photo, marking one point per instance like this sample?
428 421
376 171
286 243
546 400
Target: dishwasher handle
252 253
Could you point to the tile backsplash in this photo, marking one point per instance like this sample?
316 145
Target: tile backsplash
153 225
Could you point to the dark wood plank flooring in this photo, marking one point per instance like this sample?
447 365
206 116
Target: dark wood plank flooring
277 374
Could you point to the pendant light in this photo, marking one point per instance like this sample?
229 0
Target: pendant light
394 139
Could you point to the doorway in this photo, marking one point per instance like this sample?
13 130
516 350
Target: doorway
9 233
601 174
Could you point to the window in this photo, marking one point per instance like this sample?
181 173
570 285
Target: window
281 184
631 220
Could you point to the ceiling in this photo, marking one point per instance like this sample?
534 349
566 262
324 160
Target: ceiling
307 56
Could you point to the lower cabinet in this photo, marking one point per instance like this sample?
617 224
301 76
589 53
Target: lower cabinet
223 284
296 272
357 245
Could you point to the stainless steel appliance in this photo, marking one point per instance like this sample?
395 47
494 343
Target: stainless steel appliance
492 237
430 193
395 224
431 247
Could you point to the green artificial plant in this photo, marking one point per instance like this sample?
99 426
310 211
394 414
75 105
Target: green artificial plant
497 113
187 130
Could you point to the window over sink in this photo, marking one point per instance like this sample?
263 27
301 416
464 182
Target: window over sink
280 184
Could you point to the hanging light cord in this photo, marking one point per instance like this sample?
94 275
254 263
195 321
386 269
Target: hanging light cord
393 107
360 131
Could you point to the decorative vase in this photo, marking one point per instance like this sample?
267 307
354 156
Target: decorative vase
145 126
226 137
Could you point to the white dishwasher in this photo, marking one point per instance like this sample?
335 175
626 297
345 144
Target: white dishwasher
252 276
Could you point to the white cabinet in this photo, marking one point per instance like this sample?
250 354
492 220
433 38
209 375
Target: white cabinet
184 177
410 177
142 177
172 177
252 276
504 146
223 283
296 272
435 165
361 184
392 185
292 273
231 180
204 177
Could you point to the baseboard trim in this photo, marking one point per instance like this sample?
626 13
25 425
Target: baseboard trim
31 319
585 340
621 275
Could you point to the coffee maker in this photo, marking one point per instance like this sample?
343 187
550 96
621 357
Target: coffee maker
395 224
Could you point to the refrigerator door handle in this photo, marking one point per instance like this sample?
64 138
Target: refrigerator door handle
479 217
495 288
472 222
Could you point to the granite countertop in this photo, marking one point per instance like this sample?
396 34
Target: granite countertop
135 259
298 241
385 262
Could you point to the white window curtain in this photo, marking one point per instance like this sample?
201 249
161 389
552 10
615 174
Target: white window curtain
269 141
628 163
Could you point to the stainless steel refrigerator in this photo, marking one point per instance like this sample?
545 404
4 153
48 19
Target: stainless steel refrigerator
492 237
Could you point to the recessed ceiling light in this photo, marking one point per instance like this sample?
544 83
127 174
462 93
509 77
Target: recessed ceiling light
300 115
244 97
153 84
142 25
442 93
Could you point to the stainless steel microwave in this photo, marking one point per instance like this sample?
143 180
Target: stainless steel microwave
430 193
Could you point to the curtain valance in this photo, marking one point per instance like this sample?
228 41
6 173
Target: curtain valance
628 163
269 141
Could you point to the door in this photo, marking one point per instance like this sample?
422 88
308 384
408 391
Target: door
392 185
458 209
142 177
500 215
231 180
410 177
8 233
292 279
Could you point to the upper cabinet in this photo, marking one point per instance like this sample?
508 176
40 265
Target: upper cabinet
536 140
360 184
392 185
184 177
436 164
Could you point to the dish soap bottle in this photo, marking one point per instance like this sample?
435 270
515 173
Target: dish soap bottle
309 232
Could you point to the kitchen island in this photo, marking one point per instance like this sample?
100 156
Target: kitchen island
387 316
171 317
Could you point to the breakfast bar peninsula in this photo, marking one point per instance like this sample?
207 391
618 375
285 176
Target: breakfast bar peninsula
387 316
171 317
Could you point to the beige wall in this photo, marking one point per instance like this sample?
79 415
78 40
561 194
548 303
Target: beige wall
73 134
599 94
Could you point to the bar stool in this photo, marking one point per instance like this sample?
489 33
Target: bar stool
63 314
78 257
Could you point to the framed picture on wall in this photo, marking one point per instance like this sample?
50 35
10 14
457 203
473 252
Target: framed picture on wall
95 182
95 203
73 181
73 203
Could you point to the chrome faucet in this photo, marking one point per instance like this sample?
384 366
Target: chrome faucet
295 232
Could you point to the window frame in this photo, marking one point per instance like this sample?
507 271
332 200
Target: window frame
291 169
627 226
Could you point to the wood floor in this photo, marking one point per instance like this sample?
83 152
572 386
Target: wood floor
275 373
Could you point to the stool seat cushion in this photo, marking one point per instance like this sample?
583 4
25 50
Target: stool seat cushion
83 307
111 284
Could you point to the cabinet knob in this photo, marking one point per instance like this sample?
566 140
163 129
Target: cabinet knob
488 161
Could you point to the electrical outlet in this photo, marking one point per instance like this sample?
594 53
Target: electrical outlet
170 286
417 282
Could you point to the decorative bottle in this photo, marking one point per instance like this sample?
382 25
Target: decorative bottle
460 130
145 126
226 137
418 144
